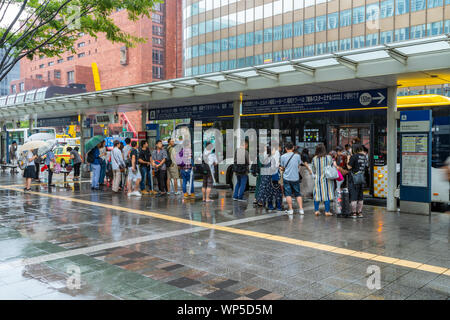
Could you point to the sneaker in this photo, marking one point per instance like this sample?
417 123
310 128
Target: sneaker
136 193
354 215
177 193
129 194
301 211
280 210
192 195
235 199
360 215
242 200
289 212
186 195
144 191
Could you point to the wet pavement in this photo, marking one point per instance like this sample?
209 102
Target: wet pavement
171 248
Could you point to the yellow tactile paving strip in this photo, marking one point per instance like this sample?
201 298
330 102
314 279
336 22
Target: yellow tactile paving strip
44 183
255 234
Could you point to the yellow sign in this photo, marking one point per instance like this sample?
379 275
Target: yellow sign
96 76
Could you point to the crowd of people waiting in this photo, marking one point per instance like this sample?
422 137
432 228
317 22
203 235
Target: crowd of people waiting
279 172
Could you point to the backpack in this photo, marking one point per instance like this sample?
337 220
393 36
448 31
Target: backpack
168 159
90 156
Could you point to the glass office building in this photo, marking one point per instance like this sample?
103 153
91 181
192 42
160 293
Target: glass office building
221 35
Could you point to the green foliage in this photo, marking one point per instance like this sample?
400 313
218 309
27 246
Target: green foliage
51 27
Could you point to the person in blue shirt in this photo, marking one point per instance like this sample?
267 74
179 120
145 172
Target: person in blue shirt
50 159
96 168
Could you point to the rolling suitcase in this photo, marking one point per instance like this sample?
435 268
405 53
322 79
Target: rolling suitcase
342 203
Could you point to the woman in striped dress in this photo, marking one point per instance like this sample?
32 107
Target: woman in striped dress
323 188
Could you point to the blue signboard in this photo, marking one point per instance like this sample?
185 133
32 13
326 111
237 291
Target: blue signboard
415 164
197 112
315 102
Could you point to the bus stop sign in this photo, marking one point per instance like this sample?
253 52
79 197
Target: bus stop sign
415 163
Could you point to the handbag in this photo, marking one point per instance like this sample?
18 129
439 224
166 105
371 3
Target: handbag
358 178
331 173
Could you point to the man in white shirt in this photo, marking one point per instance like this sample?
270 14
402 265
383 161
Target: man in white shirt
117 163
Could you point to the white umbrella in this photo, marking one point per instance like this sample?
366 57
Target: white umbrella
41 136
32 145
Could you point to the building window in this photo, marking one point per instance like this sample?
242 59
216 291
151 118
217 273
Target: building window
401 6
386 37
321 23
157 7
268 35
39 76
358 15
156 18
417 5
298 28
41 66
372 39
13 88
22 86
333 19
241 40
157 72
158 31
69 58
232 43
57 74
402 34
51 63
70 76
81 44
287 31
157 56
259 37
81 55
434 3
278 33
418 32
60 61
387 8
434 28
309 27
157 41
346 18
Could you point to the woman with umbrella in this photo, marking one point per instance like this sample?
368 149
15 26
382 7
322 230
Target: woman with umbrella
30 169
93 146
31 150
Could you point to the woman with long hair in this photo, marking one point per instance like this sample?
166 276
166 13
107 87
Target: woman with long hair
323 188
357 164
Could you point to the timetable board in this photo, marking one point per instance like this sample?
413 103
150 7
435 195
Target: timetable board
415 160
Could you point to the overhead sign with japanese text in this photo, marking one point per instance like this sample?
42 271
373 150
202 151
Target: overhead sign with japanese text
197 112
318 102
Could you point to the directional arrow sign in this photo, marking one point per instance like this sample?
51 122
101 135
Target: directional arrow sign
380 97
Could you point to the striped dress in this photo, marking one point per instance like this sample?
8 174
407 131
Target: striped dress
323 188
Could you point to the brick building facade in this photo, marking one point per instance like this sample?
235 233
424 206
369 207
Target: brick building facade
157 59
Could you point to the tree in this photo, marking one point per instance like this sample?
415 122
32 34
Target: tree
51 27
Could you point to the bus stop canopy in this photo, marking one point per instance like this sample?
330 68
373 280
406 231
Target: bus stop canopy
404 64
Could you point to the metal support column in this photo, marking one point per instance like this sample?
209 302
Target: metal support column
391 148
81 119
237 111
144 119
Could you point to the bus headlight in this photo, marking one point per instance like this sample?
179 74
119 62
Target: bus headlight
222 172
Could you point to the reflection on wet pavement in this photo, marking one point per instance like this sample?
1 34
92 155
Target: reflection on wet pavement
138 249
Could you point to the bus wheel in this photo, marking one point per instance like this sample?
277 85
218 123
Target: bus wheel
438 206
